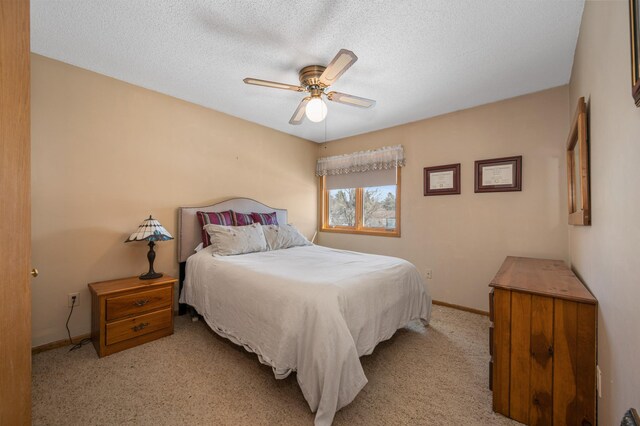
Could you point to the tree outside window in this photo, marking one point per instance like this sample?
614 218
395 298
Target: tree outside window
342 207
366 210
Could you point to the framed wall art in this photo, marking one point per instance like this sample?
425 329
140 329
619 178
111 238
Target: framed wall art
634 17
442 180
498 174
578 168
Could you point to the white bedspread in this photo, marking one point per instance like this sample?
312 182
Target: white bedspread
312 309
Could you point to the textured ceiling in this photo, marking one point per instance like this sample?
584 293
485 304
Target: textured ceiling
417 58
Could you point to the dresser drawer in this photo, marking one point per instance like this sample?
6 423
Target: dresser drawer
138 303
130 328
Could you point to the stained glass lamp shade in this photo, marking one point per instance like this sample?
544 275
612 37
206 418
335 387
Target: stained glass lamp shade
150 230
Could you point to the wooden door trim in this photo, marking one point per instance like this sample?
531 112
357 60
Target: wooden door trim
15 227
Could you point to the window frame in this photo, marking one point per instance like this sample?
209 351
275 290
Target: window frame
359 228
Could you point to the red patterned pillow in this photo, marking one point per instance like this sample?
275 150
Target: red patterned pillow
265 218
219 218
241 219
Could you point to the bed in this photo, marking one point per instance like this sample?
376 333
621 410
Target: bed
310 309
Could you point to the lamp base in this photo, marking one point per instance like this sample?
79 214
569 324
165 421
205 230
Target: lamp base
151 256
150 276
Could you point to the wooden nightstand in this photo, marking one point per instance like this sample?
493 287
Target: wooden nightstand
129 312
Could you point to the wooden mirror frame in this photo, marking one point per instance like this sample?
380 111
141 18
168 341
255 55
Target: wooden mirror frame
578 214
635 50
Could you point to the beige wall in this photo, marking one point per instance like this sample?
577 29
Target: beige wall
107 154
464 238
606 253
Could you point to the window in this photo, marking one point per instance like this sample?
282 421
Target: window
373 210
342 207
360 192
379 207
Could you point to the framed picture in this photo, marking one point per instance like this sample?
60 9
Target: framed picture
499 174
578 168
442 180
634 17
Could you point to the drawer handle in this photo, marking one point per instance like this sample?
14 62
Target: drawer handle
140 326
141 302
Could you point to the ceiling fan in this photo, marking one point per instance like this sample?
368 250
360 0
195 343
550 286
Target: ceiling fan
315 79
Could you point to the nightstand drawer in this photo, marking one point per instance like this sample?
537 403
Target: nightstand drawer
138 303
118 331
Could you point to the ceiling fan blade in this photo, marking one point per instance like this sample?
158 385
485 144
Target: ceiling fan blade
343 60
356 101
298 116
273 84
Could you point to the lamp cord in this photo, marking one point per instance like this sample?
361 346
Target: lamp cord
81 342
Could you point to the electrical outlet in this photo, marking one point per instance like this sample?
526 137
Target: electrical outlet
428 273
599 381
71 297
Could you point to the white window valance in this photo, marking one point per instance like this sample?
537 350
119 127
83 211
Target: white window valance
387 158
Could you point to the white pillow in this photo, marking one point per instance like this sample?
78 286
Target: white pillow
283 236
228 240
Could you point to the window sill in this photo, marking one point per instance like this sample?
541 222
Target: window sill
376 233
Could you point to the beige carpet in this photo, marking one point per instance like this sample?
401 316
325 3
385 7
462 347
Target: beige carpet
423 376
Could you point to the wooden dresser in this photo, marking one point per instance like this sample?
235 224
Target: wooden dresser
542 343
130 311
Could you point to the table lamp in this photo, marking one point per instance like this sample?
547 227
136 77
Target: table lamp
150 230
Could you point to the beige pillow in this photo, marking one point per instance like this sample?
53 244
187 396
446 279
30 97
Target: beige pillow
229 240
283 236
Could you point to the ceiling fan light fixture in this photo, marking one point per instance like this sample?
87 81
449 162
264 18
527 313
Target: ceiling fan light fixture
316 110
315 79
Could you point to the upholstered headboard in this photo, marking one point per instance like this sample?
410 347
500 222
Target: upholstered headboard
189 235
